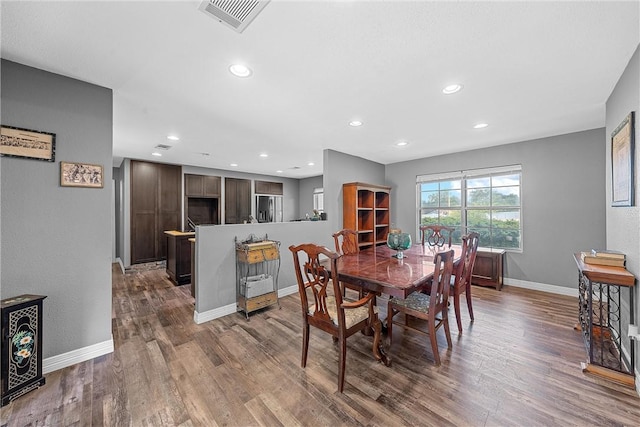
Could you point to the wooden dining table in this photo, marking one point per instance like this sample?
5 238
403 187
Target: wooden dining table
376 269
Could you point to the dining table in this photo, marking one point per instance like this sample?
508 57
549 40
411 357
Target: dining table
377 269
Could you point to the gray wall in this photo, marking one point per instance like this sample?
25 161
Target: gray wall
215 256
305 194
339 168
623 223
56 240
562 192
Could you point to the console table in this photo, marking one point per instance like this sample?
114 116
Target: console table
601 320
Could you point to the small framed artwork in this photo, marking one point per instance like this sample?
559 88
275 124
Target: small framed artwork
28 144
622 170
81 175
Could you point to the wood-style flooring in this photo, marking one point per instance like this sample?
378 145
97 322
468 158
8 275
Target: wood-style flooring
518 364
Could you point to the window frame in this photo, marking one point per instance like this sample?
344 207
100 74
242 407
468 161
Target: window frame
464 176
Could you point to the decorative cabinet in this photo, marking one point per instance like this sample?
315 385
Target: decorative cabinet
365 209
488 269
268 187
179 256
21 346
603 321
257 268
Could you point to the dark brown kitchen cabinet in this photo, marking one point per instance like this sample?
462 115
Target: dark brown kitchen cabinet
179 256
268 187
201 185
155 207
201 200
237 200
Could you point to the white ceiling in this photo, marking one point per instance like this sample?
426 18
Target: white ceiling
529 69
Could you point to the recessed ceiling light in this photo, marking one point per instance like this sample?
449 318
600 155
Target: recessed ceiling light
355 123
278 171
233 164
155 153
264 155
310 164
240 70
401 143
481 125
453 88
173 138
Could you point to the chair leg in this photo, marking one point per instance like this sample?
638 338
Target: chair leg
447 331
434 342
456 307
343 360
305 344
468 292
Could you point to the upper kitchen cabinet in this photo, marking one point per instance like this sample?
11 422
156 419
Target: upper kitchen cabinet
268 187
201 200
201 185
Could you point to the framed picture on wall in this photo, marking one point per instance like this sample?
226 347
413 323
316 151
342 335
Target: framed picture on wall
622 170
81 175
29 144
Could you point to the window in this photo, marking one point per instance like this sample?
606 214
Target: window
487 201
318 199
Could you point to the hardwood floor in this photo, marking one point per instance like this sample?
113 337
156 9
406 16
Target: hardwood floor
517 364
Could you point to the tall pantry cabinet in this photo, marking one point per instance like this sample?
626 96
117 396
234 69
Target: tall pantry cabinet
365 209
155 208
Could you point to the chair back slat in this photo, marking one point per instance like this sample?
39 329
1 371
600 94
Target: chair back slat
465 266
441 282
312 275
436 235
346 242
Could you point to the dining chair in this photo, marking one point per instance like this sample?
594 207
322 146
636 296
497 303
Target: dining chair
436 235
427 306
327 311
346 242
461 280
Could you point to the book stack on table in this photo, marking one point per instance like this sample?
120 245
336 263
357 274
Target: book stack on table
604 257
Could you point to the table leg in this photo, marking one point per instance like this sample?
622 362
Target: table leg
378 351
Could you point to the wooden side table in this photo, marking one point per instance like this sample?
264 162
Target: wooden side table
488 269
21 346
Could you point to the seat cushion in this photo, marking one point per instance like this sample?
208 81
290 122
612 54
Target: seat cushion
416 301
351 315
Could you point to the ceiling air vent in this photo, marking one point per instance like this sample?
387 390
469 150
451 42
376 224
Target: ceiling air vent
162 147
237 14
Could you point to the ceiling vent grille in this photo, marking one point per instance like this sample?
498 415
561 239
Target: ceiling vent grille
237 14
162 147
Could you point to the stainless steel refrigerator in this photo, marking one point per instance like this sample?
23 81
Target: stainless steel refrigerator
269 208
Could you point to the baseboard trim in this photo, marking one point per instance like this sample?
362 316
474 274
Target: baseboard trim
121 264
216 313
80 355
554 289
